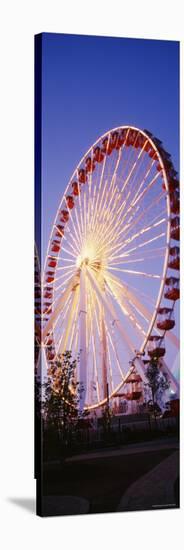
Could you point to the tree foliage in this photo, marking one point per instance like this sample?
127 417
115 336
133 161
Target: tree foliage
62 394
158 382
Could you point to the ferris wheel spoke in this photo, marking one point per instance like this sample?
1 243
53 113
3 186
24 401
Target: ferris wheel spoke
141 215
140 245
68 252
154 223
105 350
95 367
63 283
63 344
110 309
133 272
141 181
110 191
126 308
59 306
62 259
72 222
109 333
136 260
58 326
133 167
76 243
78 226
64 275
131 297
118 247
141 232
141 195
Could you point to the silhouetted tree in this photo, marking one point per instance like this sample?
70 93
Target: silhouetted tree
62 396
157 383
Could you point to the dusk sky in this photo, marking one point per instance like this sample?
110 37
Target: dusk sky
93 84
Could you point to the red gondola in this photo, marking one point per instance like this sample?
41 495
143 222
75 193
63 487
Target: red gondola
148 133
174 258
52 263
48 289
82 175
148 147
55 241
159 167
49 342
165 319
50 279
55 248
172 173
48 295
132 135
76 188
168 165
121 138
134 395
70 201
50 273
172 184
98 154
64 216
141 141
135 381
60 229
89 165
175 202
105 145
173 291
175 228
152 154
50 356
155 347
114 139
47 310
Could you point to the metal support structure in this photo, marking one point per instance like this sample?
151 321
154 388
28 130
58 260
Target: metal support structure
83 338
174 383
104 356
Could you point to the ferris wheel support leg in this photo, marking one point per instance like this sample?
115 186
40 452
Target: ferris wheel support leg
110 309
104 357
174 383
83 340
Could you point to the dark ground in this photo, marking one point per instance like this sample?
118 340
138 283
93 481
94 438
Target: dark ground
102 480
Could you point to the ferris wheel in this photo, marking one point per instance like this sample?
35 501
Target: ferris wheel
37 310
110 280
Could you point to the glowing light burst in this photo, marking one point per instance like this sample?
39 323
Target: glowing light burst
100 306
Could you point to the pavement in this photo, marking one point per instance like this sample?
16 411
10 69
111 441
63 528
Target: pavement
154 480
65 505
132 448
156 489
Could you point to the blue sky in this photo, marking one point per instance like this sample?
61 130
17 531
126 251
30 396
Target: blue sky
92 84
